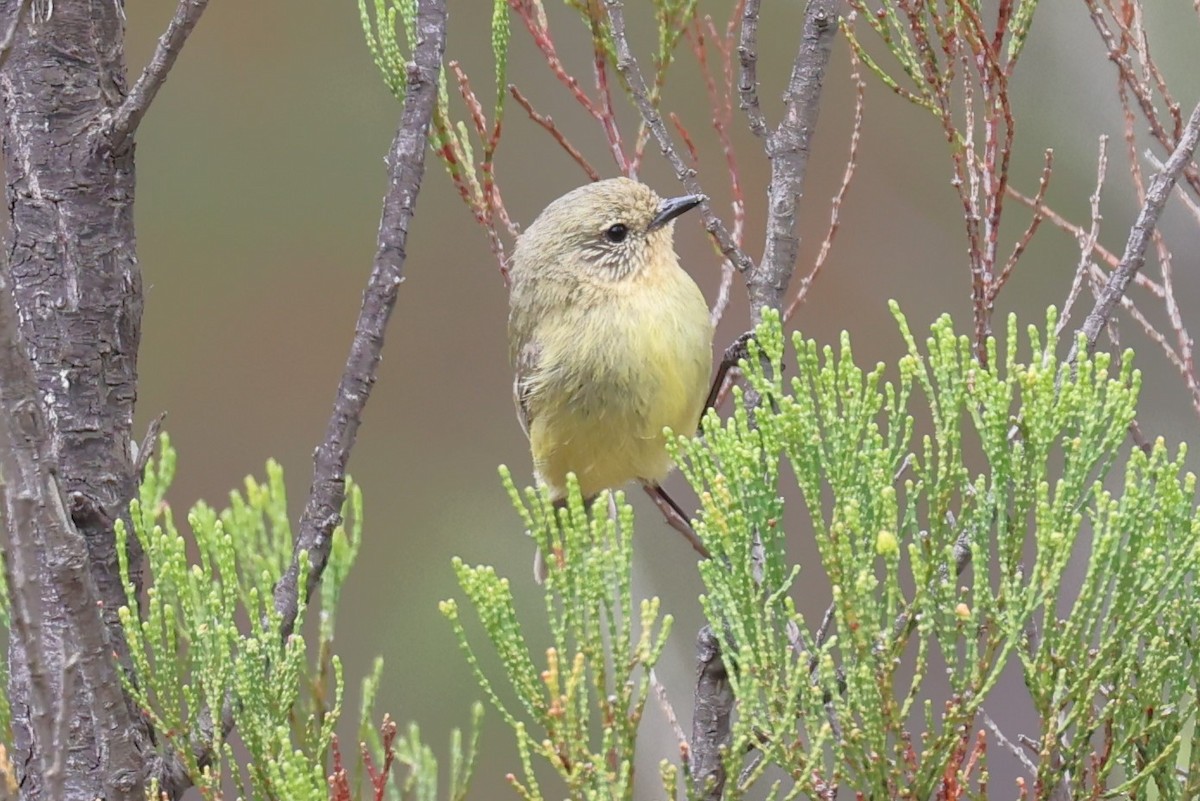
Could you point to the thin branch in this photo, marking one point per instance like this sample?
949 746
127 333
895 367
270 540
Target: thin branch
406 166
129 114
535 23
145 451
788 150
1140 235
748 76
546 122
628 67
668 709
1031 229
1188 201
1087 241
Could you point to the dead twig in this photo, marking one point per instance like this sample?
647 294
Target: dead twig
1140 235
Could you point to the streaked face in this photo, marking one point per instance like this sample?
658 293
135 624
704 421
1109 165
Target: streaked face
610 228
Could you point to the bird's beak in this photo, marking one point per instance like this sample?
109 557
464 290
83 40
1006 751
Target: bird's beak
671 208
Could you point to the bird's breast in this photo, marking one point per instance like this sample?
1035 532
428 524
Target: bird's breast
615 376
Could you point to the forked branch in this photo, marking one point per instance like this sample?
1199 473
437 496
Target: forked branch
788 149
1140 235
129 114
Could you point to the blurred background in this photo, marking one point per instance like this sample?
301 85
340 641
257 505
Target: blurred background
261 171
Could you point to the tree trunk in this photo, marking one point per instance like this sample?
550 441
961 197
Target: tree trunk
78 294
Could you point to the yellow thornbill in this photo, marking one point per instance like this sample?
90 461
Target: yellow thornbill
609 338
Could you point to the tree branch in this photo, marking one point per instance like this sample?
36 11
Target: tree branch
129 114
1139 236
710 718
406 165
43 544
748 75
788 149
628 67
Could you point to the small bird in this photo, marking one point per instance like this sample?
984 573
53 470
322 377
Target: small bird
609 338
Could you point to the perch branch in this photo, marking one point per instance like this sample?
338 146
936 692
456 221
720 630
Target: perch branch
1140 235
710 718
129 114
788 150
546 122
406 166
628 67
748 76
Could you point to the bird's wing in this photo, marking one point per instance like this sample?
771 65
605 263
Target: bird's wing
525 368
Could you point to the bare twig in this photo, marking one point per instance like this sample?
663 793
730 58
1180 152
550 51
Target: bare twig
1031 229
710 719
721 103
628 67
1063 224
748 77
1188 201
1009 745
1087 240
788 148
1140 235
546 122
535 23
128 115
145 451
668 709
406 166
1119 44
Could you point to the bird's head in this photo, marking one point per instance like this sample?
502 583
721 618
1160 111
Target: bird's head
608 231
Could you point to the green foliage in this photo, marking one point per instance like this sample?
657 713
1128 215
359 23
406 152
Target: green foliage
924 39
207 652
580 712
947 498
379 24
948 554
210 664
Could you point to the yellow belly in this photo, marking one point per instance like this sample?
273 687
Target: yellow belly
647 369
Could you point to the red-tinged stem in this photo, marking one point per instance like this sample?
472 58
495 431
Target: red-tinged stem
693 154
546 122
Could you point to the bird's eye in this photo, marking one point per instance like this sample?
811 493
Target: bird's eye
616 233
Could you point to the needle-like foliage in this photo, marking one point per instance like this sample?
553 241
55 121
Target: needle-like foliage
947 499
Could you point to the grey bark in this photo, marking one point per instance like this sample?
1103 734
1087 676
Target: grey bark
787 148
711 710
78 302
